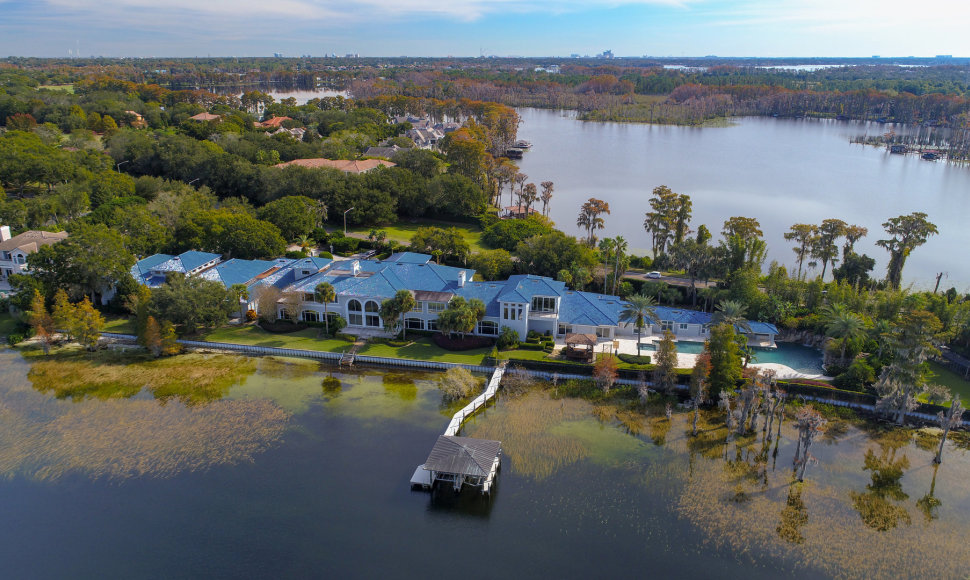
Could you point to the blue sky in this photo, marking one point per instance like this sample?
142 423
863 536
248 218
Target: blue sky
771 28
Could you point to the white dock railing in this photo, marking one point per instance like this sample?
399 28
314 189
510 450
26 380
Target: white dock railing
480 401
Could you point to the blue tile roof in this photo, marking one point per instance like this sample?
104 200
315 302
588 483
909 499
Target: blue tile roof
487 292
521 288
683 316
145 265
409 258
590 309
236 271
193 259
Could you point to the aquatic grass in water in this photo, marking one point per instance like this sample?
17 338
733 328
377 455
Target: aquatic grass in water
78 374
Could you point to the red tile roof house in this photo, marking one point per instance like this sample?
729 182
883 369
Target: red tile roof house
274 123
345 165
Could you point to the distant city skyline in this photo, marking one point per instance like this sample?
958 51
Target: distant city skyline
672 28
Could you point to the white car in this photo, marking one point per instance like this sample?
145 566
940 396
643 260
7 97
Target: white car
654 275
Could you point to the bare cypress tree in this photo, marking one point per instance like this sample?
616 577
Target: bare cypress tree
746 401
810 424
698 385
952 418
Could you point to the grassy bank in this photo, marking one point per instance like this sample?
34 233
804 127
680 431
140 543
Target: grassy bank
953 381
402 231
424 349
251 334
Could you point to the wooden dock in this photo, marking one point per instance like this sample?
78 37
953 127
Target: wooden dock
462 460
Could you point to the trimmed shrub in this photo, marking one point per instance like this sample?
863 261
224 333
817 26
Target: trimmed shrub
345 336
634 359
531 346
508 339
251 315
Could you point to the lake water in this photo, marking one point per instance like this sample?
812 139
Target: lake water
280 475
780 171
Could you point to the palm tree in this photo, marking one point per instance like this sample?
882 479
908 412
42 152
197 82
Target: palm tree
606 247
620 247
709 295
639 310
732 312
241 294
325 293
844 325
305 242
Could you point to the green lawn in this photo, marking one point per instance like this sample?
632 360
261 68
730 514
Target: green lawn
69 88
523 354
403 230
954 381
424 349
119 324
251 334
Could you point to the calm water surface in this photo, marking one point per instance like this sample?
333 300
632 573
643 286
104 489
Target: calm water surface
780 171
283 478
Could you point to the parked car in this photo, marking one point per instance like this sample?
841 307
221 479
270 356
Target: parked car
654 275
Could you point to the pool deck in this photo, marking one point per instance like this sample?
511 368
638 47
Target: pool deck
685 360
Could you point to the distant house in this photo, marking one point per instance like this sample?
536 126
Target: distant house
203 117
274 123
296 132
517 212
137 121
385 152
345 165
15 249
425 138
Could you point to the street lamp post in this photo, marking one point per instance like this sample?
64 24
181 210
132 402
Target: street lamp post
194 180
118 167
345 222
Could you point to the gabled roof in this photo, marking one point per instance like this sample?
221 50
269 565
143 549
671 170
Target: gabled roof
487 292
409 258
463 455
682 316
205 117
273 122
522 288
192 259
590 309
236 271
29 241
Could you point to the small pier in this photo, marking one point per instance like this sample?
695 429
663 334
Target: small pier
463 460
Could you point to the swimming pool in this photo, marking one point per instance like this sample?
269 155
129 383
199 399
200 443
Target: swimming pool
800 358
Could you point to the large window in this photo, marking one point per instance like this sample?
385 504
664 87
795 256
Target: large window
418 306
355 316
432 325
666 325
310 316
434 307
19 259
488 327
512 311
414 323
373 317
565 329
683 326
603 331
543 304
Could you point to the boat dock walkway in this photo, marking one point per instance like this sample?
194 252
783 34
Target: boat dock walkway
424 477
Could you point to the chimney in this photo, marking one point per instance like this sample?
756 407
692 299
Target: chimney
461 279
356 267
4 233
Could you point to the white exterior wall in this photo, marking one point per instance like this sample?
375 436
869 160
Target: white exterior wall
521 324
14 265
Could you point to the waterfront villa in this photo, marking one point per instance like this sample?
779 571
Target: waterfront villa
15 249
523 302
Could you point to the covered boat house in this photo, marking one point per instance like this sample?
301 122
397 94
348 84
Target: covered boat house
462 461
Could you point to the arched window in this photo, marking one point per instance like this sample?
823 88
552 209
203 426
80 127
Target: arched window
373 318
354 317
